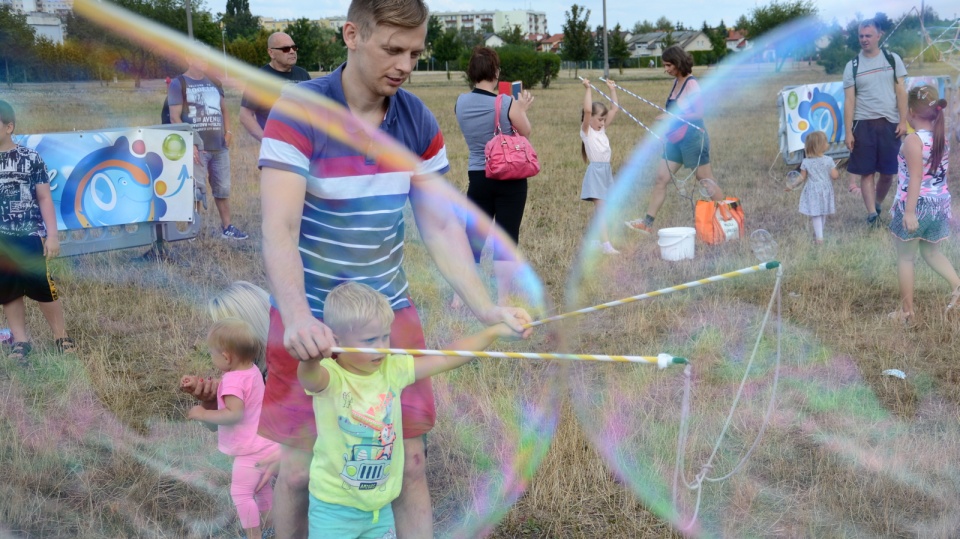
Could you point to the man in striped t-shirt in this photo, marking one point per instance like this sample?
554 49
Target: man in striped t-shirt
331 214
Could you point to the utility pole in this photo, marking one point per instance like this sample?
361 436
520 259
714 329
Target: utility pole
606 59
189 20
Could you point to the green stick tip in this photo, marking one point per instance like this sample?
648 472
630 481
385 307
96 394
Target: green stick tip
771 265
680 361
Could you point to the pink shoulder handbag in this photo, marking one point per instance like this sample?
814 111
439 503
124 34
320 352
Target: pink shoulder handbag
509 157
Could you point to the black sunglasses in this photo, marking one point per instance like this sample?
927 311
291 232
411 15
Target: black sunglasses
288 48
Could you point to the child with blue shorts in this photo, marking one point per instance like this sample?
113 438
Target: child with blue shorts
357 464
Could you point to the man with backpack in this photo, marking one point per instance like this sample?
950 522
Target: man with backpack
197 99
874 117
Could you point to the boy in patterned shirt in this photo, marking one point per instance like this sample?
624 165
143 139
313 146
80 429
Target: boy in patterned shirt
26 217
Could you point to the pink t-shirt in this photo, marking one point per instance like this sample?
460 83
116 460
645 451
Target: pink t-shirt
241 438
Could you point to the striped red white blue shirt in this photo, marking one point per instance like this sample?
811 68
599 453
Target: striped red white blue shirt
352 226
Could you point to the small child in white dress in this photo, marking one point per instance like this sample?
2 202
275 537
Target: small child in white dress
817 171
595 148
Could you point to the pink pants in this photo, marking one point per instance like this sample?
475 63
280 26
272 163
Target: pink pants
245 478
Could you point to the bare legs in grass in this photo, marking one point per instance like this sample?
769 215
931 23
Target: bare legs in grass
873 193
906 258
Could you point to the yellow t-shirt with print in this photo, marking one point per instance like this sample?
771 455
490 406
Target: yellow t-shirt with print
358 456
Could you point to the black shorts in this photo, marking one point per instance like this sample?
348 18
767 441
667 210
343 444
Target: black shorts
875 147
24 271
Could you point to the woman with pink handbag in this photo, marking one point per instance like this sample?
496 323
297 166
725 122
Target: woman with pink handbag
502 200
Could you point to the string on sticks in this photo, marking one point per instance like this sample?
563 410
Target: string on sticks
661 360
623 110
654 105
679 183
696 484
662 291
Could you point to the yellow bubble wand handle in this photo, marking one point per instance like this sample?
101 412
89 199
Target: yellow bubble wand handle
662 291
661 360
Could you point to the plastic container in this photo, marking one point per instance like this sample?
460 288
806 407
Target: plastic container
676 243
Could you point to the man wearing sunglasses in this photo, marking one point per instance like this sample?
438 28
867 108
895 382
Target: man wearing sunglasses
254 109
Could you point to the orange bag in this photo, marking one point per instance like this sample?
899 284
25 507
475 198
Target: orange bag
717 222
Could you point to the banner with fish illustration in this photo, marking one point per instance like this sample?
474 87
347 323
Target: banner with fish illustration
819 107
118 177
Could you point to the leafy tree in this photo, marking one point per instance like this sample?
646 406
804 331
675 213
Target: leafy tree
718 40
16 40
470 38
133 57
577 42
447 48
252 51
238 21
644 27
308 37
515 36
742 24
766 18
663 24
668 40
332 51
597 43
618 49
834 56
434 30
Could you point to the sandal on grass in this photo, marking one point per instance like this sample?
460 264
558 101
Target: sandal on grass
902 317
66 345
19 351
954 300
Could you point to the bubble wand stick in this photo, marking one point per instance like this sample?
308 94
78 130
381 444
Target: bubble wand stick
662 291
660 360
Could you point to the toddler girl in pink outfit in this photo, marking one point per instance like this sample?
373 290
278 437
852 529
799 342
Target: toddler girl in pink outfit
234 349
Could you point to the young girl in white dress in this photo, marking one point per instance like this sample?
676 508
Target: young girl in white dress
595 149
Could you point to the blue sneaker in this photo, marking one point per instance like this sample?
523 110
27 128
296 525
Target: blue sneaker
233 233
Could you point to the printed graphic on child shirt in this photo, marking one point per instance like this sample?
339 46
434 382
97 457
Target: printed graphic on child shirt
366 464
20 171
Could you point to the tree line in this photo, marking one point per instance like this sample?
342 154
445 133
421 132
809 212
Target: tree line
91 53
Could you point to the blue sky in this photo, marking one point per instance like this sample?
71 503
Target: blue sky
626 12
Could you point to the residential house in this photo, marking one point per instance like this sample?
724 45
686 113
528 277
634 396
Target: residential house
552 44
651 44
736 41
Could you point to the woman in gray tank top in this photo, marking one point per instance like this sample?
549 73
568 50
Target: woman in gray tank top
502 200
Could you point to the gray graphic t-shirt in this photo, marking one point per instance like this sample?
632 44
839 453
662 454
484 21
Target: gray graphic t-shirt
202 109
21 170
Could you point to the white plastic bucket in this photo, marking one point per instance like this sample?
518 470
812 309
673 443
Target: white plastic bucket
676 243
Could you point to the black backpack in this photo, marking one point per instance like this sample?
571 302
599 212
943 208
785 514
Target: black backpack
165 111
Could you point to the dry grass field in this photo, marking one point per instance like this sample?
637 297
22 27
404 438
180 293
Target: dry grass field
97 446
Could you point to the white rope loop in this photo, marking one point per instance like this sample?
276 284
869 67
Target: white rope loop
683 436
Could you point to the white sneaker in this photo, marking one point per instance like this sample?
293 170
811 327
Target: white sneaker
608 249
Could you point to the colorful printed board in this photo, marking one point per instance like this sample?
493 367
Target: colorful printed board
118 177
819 107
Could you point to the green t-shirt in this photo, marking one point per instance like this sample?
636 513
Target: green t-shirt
358 456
